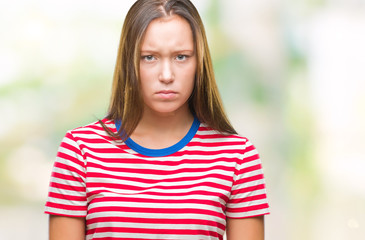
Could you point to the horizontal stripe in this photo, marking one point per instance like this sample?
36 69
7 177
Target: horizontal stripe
248 214
77 202
220 163
160 232
159 177
71 198
155 202
156 217
182 178
64 212
65 193
160 171
160 205
150 197
69 207
184 195
145 236
153 194
156 222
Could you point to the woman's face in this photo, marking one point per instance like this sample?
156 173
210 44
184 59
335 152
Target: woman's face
167 66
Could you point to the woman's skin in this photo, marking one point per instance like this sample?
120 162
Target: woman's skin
167 70
245 228
66 228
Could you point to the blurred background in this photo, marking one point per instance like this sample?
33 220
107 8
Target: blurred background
291 74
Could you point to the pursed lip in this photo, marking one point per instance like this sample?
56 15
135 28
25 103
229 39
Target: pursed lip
166 94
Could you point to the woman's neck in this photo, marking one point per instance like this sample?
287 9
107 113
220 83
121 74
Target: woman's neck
156 131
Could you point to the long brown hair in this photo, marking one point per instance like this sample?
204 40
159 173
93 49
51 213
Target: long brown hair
126 102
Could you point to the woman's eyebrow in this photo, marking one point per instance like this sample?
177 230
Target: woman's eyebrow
174 52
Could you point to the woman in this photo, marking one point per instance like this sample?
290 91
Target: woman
165 163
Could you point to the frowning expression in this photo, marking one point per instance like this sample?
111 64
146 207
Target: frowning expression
167 65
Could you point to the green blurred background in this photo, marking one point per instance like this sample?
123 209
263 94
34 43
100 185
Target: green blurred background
291 74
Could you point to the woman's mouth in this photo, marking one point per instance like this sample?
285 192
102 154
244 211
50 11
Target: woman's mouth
167 94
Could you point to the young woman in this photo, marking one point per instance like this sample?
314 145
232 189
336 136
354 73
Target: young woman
165 163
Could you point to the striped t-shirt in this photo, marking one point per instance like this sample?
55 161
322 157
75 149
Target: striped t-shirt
186 191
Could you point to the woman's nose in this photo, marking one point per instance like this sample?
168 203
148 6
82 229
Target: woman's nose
166 74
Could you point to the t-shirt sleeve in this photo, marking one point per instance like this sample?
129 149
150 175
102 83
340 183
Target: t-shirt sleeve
67 190
248 194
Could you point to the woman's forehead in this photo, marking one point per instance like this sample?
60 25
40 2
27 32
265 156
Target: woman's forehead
172 31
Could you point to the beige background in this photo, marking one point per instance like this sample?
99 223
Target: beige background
291 74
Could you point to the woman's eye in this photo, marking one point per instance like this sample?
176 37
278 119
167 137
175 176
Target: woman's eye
181 57
148 58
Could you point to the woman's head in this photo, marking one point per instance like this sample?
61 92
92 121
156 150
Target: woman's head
167 67
127 102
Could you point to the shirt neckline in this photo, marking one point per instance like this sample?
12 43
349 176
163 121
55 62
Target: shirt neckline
163 151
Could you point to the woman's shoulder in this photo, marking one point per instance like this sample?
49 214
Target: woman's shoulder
206 132
94 128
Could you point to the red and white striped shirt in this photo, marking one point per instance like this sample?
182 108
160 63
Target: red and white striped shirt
186 191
